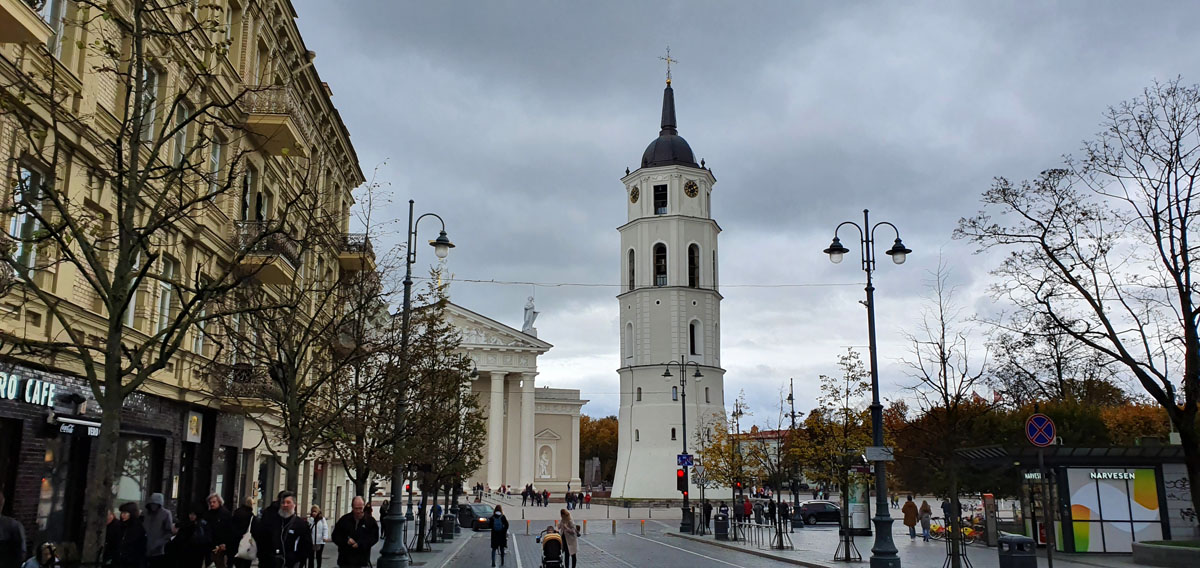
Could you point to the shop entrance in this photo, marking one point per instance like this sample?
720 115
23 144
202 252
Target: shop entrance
64 484
10 447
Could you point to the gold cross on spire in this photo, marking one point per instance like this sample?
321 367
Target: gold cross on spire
669 62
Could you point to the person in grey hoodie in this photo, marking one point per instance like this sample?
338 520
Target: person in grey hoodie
159 527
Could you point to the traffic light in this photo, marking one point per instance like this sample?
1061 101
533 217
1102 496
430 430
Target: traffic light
681 480
408 487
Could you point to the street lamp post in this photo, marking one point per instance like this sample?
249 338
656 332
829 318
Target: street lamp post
687 521
883 553
394 554
737 462
792 434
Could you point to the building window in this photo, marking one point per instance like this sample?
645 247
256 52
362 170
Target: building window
182 113
139 470
672 433
632 269
249 189
170 274
214 165
694 266
53 12
660 200
660 264
639 394
149 103
692 339
674 393
714 270
198 341
131 308
24 224
706 399
629 342
637 435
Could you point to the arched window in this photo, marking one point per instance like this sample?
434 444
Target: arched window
632 270
692 339
672 433
660 264
660 200
714 270
706 399
694 266
674 393
637 436
639 394
629 341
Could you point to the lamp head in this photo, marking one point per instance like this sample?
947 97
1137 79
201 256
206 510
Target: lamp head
667 373
697 376
836 250
898 252
441 245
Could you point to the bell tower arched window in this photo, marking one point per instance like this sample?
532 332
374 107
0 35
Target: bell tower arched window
674 393
660 200
660 264
632 270
694 266
629 344
672 433
639 394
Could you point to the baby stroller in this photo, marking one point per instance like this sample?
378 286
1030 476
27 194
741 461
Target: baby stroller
552 548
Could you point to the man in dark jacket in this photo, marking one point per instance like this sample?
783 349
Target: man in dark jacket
354 534
159 526
220 526
12 540
283 538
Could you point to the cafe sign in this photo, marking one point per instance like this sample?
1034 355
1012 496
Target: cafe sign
31 391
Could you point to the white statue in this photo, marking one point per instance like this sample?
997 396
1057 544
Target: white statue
544 463
530 315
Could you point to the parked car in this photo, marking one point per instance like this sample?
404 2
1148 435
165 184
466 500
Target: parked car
474 516
814 512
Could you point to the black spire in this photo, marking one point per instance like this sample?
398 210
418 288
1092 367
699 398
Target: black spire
668 113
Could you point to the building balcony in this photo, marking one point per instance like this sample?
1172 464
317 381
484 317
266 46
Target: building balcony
21 22
273 258
356 254
241 381
275 119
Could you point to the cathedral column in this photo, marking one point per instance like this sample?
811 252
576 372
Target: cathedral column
495 455
527 433
575 450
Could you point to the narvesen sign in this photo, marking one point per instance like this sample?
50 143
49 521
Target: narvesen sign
1110 475
32 391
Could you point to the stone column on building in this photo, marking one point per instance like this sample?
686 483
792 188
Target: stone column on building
495 455
575 450
527 433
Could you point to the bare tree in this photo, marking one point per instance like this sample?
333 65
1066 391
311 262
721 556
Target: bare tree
113 199
1105 248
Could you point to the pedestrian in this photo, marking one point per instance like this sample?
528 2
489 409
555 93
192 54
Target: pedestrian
770 512
570 499
723 509
193 541
587 499
282 537
12 540
783 513
708 508
159 527
815 494
758 513
947 511
926 513
243 520
46 557
499 526
220 522
354 534
125 538
910 517
747 508
570 534
545 497
319 531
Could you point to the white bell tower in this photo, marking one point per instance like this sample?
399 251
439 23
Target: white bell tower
670 311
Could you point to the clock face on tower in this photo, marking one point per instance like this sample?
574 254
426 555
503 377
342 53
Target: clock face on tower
634 194
690 188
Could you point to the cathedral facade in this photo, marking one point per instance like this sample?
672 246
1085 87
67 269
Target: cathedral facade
670 313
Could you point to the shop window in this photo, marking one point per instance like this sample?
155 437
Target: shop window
140 474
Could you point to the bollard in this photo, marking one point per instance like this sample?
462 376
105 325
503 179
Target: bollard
614 526
643 527
526 528
585 526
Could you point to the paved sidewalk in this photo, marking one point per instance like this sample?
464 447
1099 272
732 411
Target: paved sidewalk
815 546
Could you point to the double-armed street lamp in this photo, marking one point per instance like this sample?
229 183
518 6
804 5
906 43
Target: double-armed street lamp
883 553
687 521
394 554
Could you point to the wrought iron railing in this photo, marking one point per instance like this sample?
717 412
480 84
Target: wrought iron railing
255 238
357 242
240 380
278 100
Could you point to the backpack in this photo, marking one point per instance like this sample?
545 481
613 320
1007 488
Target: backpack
497 523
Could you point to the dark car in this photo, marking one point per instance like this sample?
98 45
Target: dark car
814 512
474 516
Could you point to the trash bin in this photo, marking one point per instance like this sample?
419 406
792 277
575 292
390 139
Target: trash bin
448 522
721 526
1016 551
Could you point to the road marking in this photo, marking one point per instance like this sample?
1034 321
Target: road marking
516 551
687 551
602 551
456 552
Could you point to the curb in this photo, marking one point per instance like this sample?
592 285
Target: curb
751 551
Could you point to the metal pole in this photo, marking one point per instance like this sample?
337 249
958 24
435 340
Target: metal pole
683 527
1047 509
394 553
883 553
792 432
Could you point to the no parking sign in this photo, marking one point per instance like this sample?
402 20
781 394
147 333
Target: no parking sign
1039 429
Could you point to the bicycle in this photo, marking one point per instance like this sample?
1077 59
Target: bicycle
970 532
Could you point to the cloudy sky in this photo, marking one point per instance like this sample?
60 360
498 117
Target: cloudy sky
515 121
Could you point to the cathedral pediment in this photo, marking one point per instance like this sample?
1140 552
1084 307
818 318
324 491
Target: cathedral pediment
547 434
481 331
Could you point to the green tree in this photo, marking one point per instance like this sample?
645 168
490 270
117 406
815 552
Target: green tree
839 426
598 439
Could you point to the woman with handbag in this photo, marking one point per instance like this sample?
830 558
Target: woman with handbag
320 535
243 522
570 534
